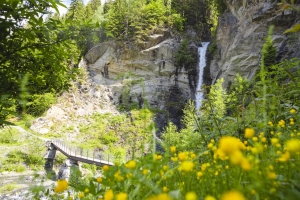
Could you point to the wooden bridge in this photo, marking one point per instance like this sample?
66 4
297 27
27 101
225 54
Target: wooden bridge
77 154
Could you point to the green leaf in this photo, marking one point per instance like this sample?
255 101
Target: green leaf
294 29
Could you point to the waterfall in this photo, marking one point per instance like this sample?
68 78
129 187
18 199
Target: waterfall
202 63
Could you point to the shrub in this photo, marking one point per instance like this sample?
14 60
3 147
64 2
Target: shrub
40 103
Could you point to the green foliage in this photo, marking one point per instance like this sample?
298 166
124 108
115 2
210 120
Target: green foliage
39 103
270 54
237 97
188 138
132 20
185 57
59 159
92 168
9 136
215 103
13 162
8 187
117 132
33 49
34 154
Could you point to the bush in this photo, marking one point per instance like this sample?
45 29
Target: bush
20 168
39 103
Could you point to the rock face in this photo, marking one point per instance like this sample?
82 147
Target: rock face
241 34
141 76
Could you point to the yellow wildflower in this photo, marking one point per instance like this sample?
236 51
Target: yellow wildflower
187 166
99 179
105 167
236 157
208 197
270 123
162 196
233 195
145 171
255 139
62 185
271 175
191 196
118 176
274 141
245 164
182 156
165 189
264 139
210 145
109 195
281 123
130 164
174 159
230 144
173 149
86 190
199 174
292 111
249 132
157 157
121 196
81 195
193 155
129 175
284 157
293 145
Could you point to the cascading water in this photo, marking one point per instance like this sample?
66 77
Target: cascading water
202 63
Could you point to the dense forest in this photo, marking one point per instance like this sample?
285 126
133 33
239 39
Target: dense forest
243 143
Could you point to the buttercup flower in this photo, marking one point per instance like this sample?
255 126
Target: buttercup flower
173 149
81 195
249 132
109 195
292 111
99 179
131 164
208 197
187 166
121 196
191 196
105 167
62 185
293 145
233 195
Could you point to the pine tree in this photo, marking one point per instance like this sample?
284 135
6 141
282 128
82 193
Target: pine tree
76 10
91 8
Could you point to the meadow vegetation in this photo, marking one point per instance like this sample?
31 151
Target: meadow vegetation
244 143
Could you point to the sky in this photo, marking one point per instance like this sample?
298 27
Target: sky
67 3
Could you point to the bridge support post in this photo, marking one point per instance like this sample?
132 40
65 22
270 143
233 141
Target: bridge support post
49 157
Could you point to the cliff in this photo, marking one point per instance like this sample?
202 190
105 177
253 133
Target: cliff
241 33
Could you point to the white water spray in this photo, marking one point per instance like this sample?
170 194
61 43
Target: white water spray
199 96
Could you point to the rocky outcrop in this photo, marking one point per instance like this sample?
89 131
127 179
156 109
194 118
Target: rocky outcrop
241 34
148 74
84 98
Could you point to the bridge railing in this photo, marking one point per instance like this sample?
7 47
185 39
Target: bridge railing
89 154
